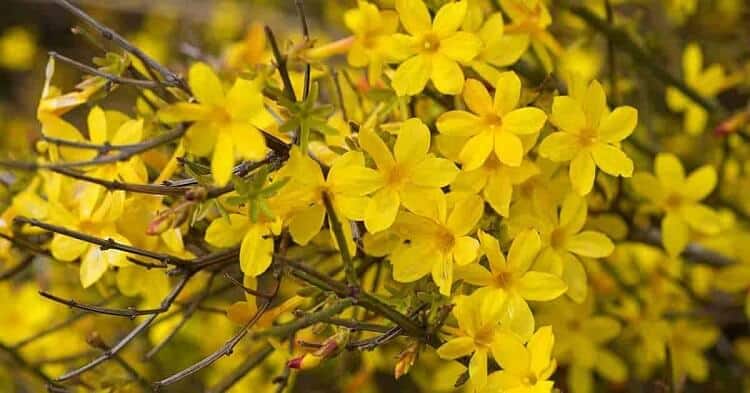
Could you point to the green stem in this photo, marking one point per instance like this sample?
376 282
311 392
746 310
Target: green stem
308 320
338 231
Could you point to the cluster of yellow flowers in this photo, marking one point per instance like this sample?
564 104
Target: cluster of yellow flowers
431 155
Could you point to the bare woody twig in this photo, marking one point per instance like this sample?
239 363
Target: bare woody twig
110 77
169 78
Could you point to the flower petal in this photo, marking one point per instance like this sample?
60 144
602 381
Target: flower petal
507 92
205 85
459 123
456 348
446 75
612 160
476 150
524 121
413 141
461 46
476 97
582 173
559 146
619 124
674 232
508 148
449 18
465 250
381 210
414 16
412 75
590 244
222 161
256 251
524 250
539 286
567 114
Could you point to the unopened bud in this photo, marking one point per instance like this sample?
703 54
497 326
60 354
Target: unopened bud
304 362
405 361
733 124
95 341
159 224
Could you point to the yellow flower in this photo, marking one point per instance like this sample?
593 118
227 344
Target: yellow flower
437 241
531 19
512 282
678 197
17 49
222 120
687 343
478 333
525 369
410 176
707 83
495 181
301 199
581 338
498 49
256 250
564 241
436 48
494 126
372 29
101 223
589 135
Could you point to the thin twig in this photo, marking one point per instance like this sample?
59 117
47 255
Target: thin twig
117 312
168 300
112 78
338 231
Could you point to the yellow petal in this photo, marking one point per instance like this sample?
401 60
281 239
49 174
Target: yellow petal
413 141
692 62
205 85
446 75
539 286
412 262
354 180
540 348
184 111
524 250
675 235
442 274
256 251
433 172
381 210
508 148
449 18
200 138
524 121
459 123
376 148
304 225
97 123
491 248
573 213
669 171
559 146
695 119
248 141
612 160
478 368
476 97
582 173
619 124
590 244
595 104
244 100
476 150
518 317
222 161
461 47
510 354
647 185
456 348
93 267
498 193
412 75
611 367
574 276
507 93
129 132
223 232
567 114
66 248
414 16
465 250
701 218
700 183
465 215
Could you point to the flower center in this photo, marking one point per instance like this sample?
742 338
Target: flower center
673 201
557 238
530 380
430 43
445 241
504 280
397 176
588 136
484 336
493 121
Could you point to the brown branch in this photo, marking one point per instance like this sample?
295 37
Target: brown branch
117 312
124 154
17 269
170 78
112 78
693 251
166 302
104 244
